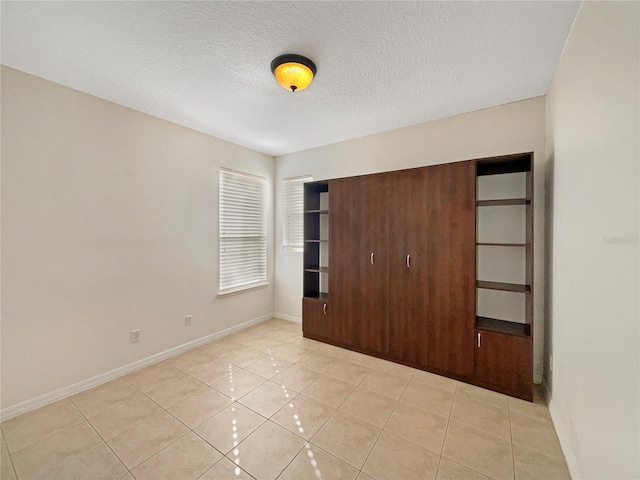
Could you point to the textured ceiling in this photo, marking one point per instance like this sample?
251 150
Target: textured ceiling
205 65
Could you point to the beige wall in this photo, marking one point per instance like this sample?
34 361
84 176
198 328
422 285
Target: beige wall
593 130
516 127
109 223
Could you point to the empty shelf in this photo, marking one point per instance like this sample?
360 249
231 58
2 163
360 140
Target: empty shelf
503 201
509 287
317 269
503 326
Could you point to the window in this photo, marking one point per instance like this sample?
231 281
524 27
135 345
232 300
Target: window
243 239
292 213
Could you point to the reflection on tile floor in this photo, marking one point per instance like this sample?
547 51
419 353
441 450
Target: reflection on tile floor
266 403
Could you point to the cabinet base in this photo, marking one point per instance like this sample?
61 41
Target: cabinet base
522 394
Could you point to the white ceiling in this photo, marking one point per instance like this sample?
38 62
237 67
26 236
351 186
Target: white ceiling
205 65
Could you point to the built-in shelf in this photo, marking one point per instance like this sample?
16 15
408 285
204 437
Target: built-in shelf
487 244
322 296
503 326
316 243
508 287
317 269
520 162
503 201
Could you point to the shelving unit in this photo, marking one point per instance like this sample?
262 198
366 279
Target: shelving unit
430 267
315 315
499 168
504 208
316 243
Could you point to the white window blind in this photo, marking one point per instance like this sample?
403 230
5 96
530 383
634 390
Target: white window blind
292 213
243 243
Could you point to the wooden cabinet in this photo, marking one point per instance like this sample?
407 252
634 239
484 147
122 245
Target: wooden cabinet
408 202
315 240
316 314
452 273
379 263
402 271
504 316
342 229
504 362
359 262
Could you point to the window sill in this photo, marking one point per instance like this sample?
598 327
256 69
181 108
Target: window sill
245 288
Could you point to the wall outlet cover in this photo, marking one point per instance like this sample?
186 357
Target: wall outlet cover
135 336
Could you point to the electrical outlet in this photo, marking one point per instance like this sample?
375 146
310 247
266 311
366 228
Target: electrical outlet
135 336
187 321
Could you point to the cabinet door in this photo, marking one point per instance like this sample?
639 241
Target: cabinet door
358 262
504 361
315 318
452 267
408 202
342 230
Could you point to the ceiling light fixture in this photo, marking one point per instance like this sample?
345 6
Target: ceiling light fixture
293 72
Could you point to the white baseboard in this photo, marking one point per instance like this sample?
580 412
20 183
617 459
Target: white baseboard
289 318
47 398
563 437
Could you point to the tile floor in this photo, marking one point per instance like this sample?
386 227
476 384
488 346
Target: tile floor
266 403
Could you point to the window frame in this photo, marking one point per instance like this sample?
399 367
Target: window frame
287 210
262 247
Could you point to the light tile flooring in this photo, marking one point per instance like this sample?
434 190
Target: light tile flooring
266 403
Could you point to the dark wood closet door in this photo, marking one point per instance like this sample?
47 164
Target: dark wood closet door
452 264
408 206
342 230
359 282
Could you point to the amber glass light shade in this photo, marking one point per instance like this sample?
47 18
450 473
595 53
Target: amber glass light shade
293 72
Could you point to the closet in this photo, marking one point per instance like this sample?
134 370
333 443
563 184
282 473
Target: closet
390 270
359 263
408 203
452 267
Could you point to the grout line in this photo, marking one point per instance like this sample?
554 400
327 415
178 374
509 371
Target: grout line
235 403
268 419
308 442
13 468
513 454
189 428
474 428
224 457
389 417
173 416
101 437
446 431
55 432
163 449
